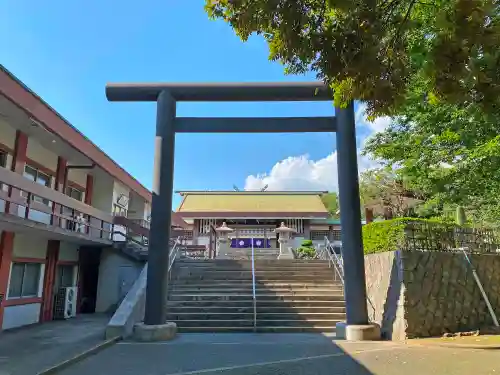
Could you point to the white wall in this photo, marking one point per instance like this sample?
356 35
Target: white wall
102 195
108 288
68 251
29 246
203 240
41 155
78 176
20 315
7 134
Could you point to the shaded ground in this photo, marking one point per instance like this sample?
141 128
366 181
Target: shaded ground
286 354
29 350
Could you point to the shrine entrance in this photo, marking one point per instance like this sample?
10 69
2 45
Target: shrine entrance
166 95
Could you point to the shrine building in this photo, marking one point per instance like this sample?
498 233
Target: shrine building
254 215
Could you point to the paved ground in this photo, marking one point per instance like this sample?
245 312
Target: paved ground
28 350
283 354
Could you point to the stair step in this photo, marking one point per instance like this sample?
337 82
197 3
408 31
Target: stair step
249 309
269 304
261 316
289 329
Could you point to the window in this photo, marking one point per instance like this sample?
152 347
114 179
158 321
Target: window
41 178
3 164
64 276
24 280
3 159
119 210
74 193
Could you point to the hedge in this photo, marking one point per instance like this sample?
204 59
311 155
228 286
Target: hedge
402 233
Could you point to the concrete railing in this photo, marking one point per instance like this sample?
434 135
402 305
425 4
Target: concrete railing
131 309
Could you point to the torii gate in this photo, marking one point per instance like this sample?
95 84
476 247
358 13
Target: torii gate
168 124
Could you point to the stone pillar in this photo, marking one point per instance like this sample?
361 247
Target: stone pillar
223 238
284 241
161 212
357 325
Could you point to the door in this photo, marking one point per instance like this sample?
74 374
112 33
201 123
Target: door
128 275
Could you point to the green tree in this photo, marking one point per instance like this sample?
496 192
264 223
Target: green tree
375 50
450 152
383 187
331 202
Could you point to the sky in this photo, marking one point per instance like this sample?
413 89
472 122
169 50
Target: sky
66 51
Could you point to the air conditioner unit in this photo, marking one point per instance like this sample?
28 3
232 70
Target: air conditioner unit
65 303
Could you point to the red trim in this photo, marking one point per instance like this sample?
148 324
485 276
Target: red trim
46 310
60 171
6 249
28 260
89 189
78 284
22 301
67 262
24 98
18 162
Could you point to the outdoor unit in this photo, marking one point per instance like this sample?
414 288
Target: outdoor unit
65 303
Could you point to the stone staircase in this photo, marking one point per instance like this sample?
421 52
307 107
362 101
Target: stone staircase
292 296
246 253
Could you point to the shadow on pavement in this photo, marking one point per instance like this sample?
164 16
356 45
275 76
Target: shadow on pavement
225 353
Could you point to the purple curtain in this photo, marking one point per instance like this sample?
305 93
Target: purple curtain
258 243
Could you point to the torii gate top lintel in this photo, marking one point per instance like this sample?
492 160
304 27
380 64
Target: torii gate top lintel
220 92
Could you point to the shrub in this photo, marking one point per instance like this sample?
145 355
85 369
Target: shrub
307 243
402 233
306 252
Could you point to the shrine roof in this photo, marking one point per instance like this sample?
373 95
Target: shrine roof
252 204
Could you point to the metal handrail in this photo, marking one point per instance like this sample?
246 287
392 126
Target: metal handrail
253 291
332 258
339 268
478 283
173 256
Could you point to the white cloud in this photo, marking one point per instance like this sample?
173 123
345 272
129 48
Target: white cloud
376 126
303 173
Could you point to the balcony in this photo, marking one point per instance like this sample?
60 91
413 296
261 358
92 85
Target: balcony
28 206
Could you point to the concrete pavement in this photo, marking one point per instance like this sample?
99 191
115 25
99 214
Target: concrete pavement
287 354
29 350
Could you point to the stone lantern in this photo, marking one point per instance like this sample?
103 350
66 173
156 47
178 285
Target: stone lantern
285 235
223 238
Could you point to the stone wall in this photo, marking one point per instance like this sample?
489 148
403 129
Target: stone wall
420 294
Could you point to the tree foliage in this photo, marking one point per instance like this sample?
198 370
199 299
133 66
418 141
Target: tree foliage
331 202
450 152
384 188
374 50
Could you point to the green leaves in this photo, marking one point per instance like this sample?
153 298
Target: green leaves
375 50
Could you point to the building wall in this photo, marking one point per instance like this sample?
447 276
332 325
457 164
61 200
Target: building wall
23 311
29 246
114 270
7 134
41 155
68 252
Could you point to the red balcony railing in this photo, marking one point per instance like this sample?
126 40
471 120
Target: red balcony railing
26 199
